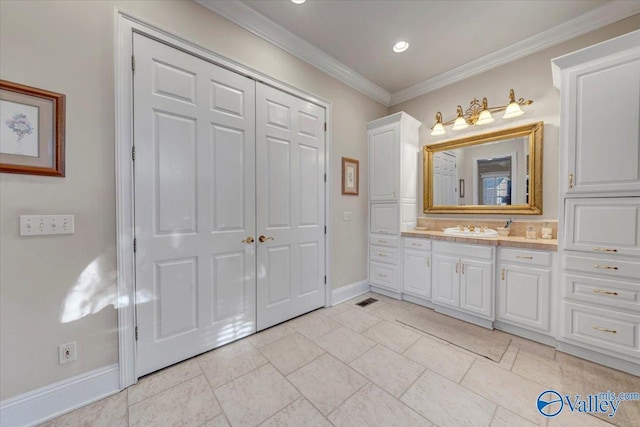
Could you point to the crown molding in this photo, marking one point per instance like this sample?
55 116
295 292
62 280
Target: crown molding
265 28
607 14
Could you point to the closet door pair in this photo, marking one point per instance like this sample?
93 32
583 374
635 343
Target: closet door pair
229 205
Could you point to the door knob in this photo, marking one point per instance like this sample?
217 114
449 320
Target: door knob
264 239
248 240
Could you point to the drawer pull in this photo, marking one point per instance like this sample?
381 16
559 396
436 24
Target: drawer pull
570 180
428 263
382 275
456 267
605 267
605 250
382 241
601 329
381 255
503 274
524 257
600 291
416 244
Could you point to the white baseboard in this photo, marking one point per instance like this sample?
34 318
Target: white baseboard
49 402
349 291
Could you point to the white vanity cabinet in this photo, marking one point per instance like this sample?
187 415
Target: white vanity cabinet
524 289
416 267
600 106
599 232
393 183
462 278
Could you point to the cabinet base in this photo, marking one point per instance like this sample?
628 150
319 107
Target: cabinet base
632 368
525 333
385 292
417 300
464 316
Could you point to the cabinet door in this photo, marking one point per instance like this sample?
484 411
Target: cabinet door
383 163
603 225
603 126
446 280
524 296
476 286
417 273
384 218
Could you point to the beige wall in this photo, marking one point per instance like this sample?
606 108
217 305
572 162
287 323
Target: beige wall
530 77
57 289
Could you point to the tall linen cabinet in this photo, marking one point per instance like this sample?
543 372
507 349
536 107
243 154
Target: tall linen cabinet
599 233
393 186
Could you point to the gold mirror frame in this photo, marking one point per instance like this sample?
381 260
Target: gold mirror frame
535 133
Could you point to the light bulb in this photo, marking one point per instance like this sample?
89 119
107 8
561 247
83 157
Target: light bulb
485 118
513 110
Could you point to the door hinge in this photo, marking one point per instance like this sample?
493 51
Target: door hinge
135 245
325 280
136 333
325 177
325 229
325 126
133 152
133 63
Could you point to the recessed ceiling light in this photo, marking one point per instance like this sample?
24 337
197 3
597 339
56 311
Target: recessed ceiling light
298 1
401 46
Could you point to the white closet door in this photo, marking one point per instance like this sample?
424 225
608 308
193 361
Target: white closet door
290 140
194 204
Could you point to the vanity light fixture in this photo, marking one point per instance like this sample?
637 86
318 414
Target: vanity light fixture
479 114
298 1
400 46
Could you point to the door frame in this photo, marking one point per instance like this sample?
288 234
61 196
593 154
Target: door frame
126 25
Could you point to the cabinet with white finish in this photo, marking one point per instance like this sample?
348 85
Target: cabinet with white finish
524 289
600 202
393 183
416 267
600 85
463 278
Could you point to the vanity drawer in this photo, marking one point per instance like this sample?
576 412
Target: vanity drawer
383 275
588 231
462 250
611 266
594 290
608 329
392 242
382 254
418 244
526 257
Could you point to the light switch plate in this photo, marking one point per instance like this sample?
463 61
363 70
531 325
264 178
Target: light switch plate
41 225
347 216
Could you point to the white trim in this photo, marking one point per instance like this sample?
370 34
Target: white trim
263 27
253 21
349 291
609 13
126 25
49 402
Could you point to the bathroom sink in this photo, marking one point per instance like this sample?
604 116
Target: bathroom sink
476 234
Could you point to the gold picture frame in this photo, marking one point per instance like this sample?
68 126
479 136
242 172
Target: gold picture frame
32 130
350 176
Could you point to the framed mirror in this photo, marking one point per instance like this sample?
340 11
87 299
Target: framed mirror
493 173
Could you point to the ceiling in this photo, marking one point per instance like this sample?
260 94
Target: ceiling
447 38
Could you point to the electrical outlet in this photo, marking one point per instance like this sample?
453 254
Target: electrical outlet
67 352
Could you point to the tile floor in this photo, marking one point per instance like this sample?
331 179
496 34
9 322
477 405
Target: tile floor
353 366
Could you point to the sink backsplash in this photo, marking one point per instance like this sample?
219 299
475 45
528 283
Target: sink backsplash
518 227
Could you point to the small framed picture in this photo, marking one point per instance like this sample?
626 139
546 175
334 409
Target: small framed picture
350 176
31 130
461 186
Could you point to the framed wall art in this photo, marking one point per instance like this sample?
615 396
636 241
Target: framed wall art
350 176
32 124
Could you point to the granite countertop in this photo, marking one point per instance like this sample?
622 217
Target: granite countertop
509 241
